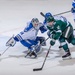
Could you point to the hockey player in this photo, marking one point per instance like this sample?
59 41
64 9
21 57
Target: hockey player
62 30
73 9
28 37
48 14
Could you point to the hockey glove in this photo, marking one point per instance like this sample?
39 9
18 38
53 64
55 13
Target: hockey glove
73 10
11 42
49 34
52 42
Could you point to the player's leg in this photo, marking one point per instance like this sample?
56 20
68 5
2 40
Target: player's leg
65 47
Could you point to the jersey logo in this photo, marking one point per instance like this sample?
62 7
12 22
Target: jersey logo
58 27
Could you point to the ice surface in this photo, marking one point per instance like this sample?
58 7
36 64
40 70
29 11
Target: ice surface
14 14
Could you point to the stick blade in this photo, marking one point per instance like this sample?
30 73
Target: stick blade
38 69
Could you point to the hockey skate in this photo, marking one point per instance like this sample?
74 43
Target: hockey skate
34 51
31 54
67 55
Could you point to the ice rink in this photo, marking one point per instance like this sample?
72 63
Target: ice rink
14 14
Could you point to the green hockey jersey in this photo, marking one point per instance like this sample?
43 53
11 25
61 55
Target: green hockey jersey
59 26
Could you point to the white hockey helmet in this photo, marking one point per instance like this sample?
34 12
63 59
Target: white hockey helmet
35 22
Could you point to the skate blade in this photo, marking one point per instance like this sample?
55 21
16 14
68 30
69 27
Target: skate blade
67 58
31 57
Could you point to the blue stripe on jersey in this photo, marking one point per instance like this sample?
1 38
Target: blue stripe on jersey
28 27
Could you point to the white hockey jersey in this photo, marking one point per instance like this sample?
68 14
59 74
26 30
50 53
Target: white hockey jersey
31 32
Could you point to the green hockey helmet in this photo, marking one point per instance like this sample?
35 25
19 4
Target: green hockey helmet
50 19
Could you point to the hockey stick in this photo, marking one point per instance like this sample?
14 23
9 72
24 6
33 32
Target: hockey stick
38 69
37 46
62 13
5 50
55 14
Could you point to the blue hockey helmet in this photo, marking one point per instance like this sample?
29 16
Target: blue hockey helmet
48 14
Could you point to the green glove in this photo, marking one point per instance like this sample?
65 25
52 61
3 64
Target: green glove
52 42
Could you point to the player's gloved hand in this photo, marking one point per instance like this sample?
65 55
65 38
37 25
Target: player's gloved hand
73 10
11 42
49 34
52 42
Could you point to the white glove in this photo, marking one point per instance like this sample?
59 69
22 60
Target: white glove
11 42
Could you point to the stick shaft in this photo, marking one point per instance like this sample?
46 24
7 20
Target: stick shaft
5 50
62 13
56 14
46 56
38 69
